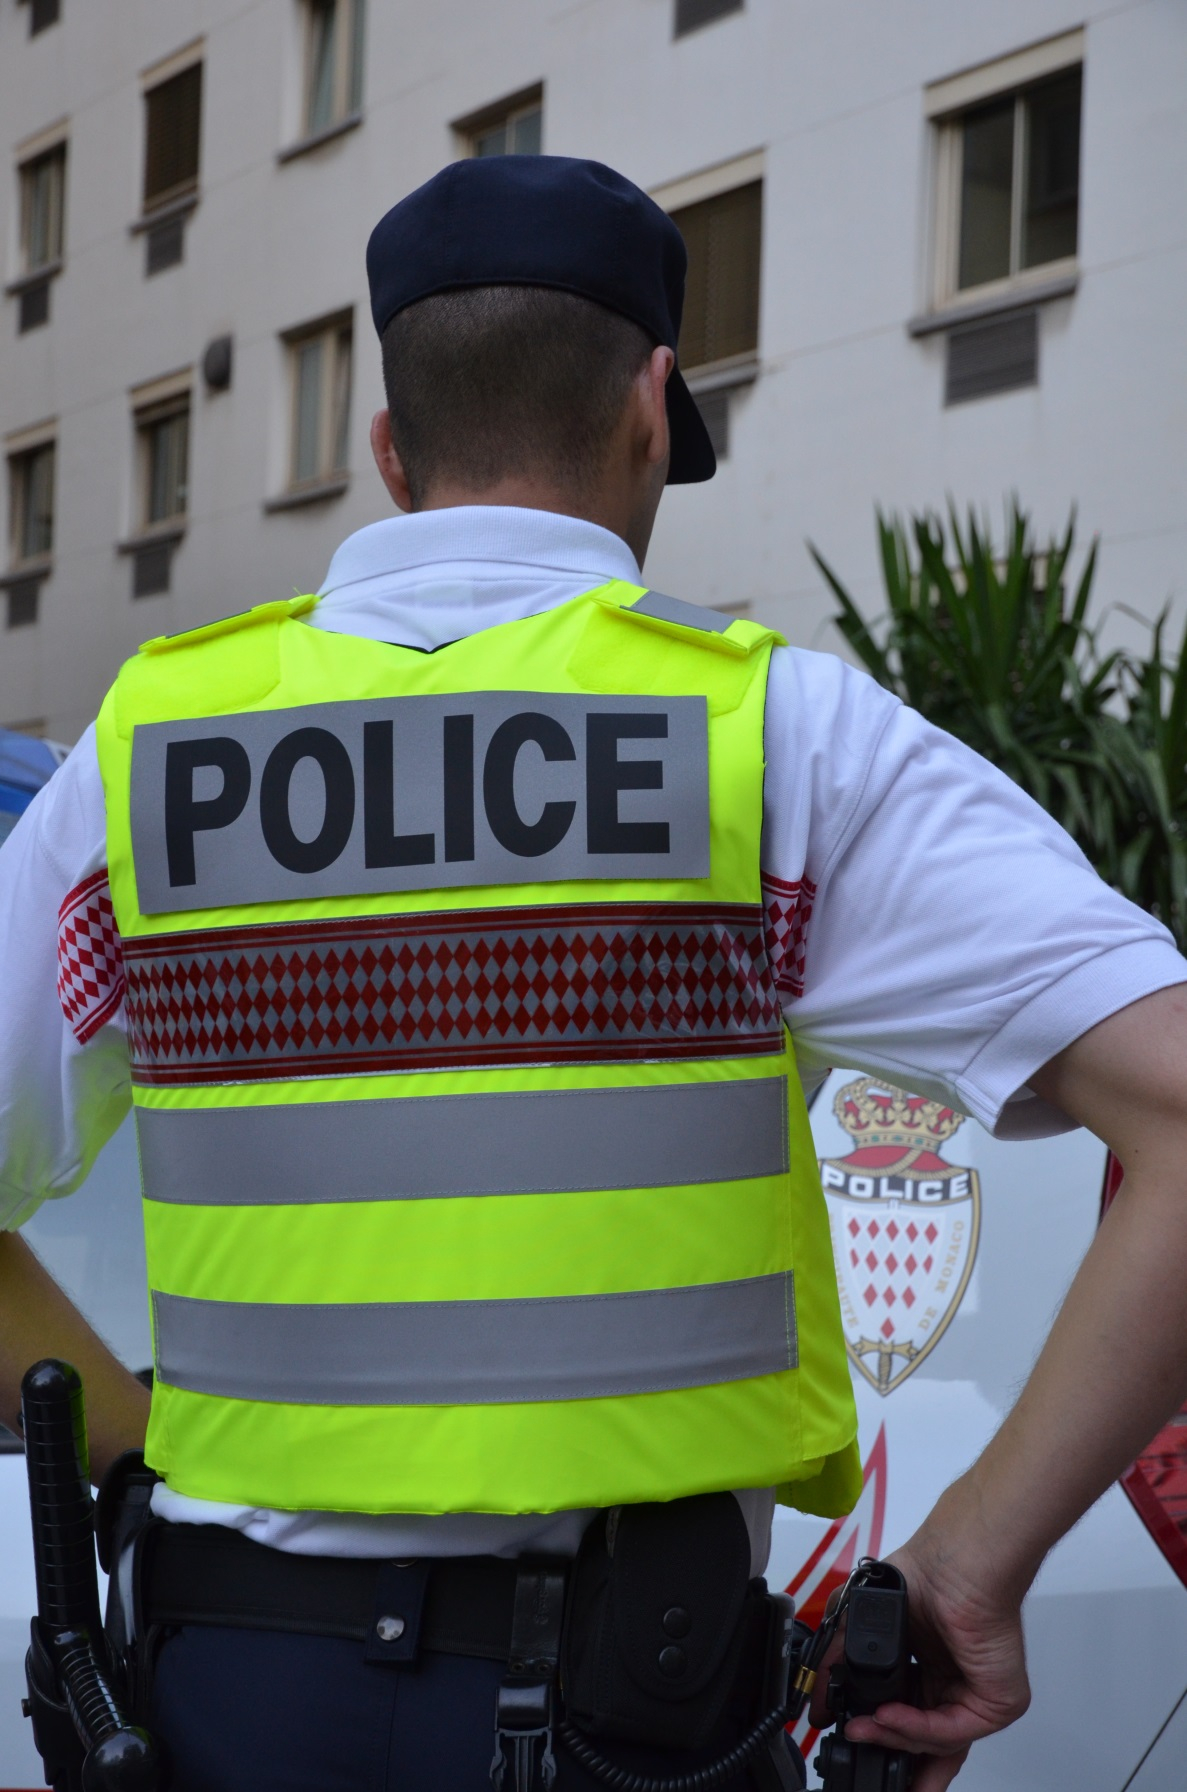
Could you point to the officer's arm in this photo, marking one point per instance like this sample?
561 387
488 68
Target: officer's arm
1113 1370
37 1320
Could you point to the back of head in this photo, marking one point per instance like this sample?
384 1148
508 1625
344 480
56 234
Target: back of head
486 383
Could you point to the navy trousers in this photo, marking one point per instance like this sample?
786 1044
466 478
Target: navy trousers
263 1711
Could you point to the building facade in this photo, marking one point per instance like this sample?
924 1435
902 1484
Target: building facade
936 251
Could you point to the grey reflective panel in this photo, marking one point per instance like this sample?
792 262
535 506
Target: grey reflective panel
418 793
674 609
478 1352
420 1147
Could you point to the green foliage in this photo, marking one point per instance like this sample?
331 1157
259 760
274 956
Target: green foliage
993 648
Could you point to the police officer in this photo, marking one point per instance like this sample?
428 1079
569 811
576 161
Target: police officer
463 939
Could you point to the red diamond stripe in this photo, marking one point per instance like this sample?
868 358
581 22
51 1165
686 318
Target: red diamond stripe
479 987
90 962
788 909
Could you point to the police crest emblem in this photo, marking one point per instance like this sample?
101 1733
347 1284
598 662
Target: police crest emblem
905 1223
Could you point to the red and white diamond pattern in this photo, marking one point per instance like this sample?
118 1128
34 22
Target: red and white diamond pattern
420 992
788 909
90 963
892 1260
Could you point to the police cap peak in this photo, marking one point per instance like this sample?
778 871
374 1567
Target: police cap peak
552 221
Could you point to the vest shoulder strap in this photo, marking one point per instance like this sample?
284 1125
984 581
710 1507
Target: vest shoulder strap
221 666
278 611
695 624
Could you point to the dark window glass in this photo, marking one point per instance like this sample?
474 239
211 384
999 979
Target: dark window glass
1049 214
172 133
166 447
986 189
724 240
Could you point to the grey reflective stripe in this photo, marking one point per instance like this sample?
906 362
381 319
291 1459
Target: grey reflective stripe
421 1146
674 609
478 1352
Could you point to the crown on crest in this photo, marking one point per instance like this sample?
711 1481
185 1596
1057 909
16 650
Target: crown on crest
876 1113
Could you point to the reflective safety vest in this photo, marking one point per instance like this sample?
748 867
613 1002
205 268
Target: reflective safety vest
477 1174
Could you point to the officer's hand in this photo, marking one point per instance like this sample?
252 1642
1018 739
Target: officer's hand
968 1640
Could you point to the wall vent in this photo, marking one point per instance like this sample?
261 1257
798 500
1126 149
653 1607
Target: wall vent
22 601
715 414
692 14
34 307
164 245
150 568
994 356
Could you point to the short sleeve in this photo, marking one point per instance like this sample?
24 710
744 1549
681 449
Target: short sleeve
958 937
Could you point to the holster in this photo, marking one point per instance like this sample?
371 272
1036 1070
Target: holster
666 1635
54 1735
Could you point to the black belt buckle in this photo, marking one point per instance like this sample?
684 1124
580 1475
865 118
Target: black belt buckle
524 1702
523 1723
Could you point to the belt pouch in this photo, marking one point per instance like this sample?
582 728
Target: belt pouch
658 1620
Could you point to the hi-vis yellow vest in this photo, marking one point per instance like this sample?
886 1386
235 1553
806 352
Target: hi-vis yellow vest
477 1175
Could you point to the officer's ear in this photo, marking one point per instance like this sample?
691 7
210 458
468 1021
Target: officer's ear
652 405
391 467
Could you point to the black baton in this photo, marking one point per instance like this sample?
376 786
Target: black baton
85 1740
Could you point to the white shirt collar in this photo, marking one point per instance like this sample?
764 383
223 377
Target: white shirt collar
491 534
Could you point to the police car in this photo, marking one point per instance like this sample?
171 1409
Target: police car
953 1252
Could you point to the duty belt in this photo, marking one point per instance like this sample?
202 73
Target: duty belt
207 1574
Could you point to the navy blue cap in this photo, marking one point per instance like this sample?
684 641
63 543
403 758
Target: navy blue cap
545 221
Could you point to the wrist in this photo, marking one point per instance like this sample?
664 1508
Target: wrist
981 1542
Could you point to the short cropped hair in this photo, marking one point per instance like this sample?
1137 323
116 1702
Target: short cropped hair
488 382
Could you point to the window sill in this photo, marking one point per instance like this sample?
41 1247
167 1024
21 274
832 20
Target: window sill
34 277
29 569
1018 298
332 132
151 537
302 495
716 376
161 214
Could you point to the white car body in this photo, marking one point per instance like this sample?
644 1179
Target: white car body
1107 1620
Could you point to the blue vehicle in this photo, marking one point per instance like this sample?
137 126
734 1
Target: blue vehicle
25 765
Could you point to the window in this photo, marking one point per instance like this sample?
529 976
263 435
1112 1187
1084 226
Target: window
319 372
512 127
172 132
692 14
723 235
41 174
1008 171
43 195
164 436
333 63
31 504
161 413
30 529
43 14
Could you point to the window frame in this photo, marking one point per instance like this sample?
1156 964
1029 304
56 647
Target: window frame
949 103
53 154
183 194
502 112
155 403
19 454
349 65
333 426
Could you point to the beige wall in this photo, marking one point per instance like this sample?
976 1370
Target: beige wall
847 409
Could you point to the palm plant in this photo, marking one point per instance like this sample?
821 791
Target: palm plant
994 648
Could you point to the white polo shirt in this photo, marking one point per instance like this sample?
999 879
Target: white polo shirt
933 925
